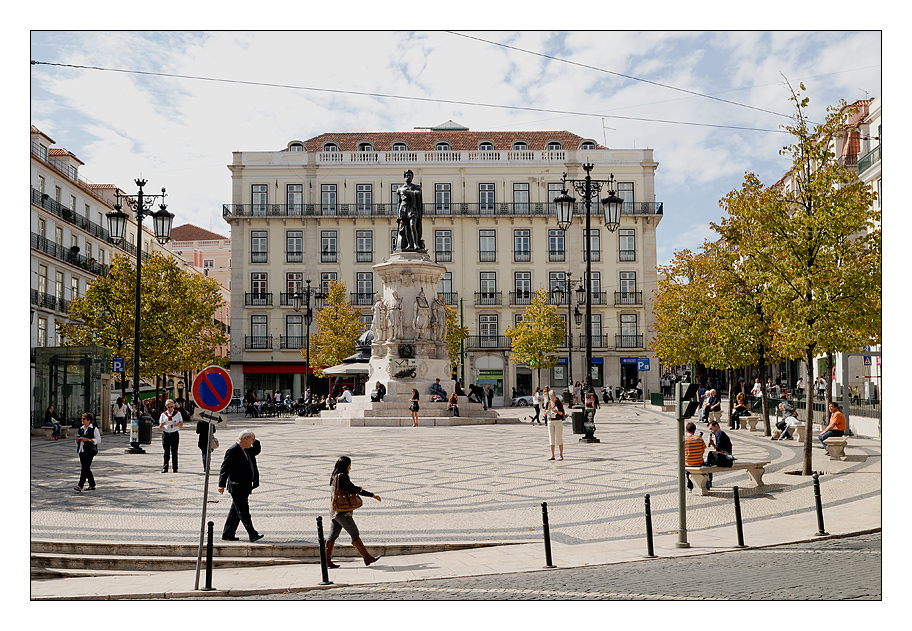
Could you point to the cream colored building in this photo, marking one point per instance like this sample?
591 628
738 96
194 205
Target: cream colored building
325 209
70 246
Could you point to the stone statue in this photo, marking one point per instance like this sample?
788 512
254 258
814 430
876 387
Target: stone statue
394 318
411 213
422 316
378 324
439 319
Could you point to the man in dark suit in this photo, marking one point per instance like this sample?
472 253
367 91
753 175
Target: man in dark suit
239 474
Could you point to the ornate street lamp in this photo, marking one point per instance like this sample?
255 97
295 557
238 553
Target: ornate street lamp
588 188
301 300
141 204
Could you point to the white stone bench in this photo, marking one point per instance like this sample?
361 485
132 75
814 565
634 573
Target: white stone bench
751 422
700 475
715 416
836 447
49 431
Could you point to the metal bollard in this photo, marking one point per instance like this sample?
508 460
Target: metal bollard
817 500
738 519
322 544
650 553
548 563
208 586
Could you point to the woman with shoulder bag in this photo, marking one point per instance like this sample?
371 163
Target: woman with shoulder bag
345 499
87 439
413 407
555 416
202 428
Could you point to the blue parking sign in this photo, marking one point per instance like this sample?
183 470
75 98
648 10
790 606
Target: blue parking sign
118 364
643 364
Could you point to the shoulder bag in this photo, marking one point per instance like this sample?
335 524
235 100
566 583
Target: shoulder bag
342 500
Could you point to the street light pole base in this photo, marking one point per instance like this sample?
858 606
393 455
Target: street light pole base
589 439
134 449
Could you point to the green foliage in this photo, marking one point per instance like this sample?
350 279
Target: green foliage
455 334
338 328
536 338
177 329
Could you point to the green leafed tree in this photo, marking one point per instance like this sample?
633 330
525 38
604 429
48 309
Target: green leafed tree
455 334
178 331
338 329
536 338
814 246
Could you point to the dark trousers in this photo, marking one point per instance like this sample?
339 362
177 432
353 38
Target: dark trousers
120 424
170 441
239 514
85 474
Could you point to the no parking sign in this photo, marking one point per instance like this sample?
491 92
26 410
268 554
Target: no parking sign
212 388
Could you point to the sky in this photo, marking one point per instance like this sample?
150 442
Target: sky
712 105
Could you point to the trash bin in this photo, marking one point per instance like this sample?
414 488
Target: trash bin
567 398
578 416
145 430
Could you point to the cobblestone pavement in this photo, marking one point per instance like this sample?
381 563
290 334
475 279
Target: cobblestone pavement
452 484
782 573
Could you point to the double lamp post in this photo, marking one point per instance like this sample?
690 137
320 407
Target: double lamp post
589 189
141 204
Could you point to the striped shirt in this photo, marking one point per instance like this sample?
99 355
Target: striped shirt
693 451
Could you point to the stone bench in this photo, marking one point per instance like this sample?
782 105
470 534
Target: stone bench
49 431
700 475
836 447
751 422
714 416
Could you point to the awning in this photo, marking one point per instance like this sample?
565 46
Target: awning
347 369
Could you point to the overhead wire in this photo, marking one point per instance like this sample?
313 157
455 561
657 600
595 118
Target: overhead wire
402 97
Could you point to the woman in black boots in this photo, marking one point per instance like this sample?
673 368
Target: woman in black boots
345 499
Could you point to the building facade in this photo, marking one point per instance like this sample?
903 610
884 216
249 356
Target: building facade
70 245
325 209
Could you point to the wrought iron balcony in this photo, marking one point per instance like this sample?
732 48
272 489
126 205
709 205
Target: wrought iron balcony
259 257
521 297
556 255
629 341
443 256
362 299
627 255
449 297
258 342
628 297
49 301
522 256
466 209
67 255
364 257
258 300
292 342
488 297
475 342
868 160
294 257
598 297
598 340
487 256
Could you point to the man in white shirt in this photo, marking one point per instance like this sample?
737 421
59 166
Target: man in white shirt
346 396
170 422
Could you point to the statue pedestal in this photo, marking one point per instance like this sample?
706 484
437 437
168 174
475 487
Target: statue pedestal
409 348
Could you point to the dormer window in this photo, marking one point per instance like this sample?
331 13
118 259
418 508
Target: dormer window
520 146
587 144
443 146
486 146
400 146
365 146
296 146
554 146
330 146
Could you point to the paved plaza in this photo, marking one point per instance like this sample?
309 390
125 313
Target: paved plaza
470 484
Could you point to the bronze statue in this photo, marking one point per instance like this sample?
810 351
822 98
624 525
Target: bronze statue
411 208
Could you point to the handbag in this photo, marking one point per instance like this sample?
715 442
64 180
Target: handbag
213 443
342 500
413 407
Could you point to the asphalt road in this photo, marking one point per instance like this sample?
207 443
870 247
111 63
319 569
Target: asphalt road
784 573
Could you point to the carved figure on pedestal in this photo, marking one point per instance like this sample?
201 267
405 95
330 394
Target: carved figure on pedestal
378 323
394 317
438 319
411 213
422 317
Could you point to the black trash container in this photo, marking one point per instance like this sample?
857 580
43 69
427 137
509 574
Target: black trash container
578 416
145 430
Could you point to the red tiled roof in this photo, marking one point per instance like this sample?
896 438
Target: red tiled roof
65 153
459 140
189 232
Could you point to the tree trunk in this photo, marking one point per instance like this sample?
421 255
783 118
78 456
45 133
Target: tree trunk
830 363
730 372
768 430
807 468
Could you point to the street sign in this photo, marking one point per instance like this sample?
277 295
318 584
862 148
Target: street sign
643 364
212 388
867 361
118 364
